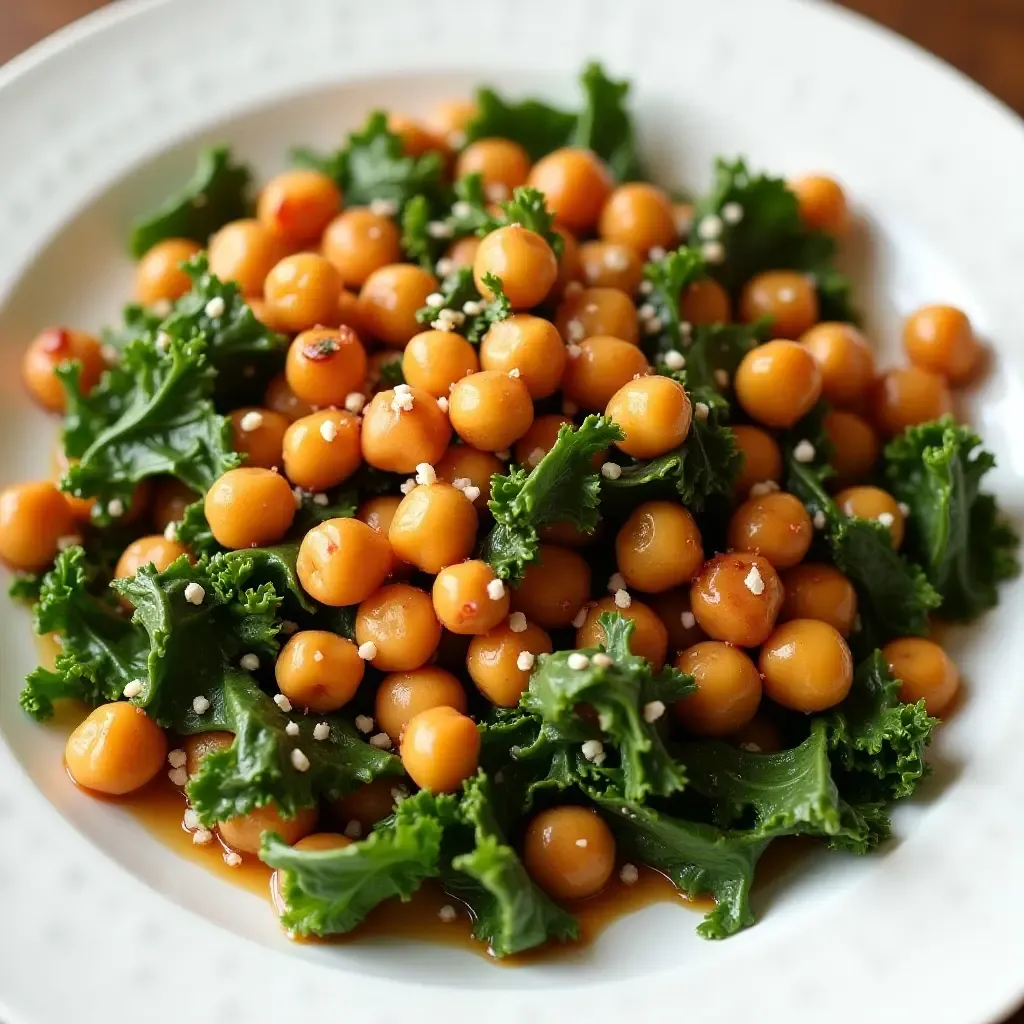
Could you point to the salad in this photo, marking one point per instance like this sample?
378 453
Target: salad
469 508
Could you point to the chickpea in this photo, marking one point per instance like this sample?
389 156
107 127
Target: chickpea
598 367
640 216
434 360
778 383
452 650
199 746
822 204
322 450
576 183
358 242
816 591
158 275
402 696
449 120
649 638
342 561
350 312
48 351
495 661
154 550
569 852
249 508
925 672
554 588
170 500
461 462
301 292
854 445
776 525
906 396
523 261
787 296
33 519
259 310
539 439
281 399
593 311
416 139
244 251
116 750
737 598
873 503
463 252
390 298
728 690
705 301
467 598
500 162
297 205
319 671
370 803
658 547
759 736
530 345
673 608
568 263
434 526
611 265
397 438
490 410
259 435
846 361
400 621
440 749
806 666
568 535
762 458
941 339
378 514
653 412
245 833
323 841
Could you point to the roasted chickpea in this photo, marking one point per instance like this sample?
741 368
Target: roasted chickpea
567 535
554 588
854 445
401 696
155 550
736 598
728 689
259 435
611 265
158 275
907 395
845 359
322 449
640 216
759 736
461 462
658 547
597 311
440 749
500 662
400 621
823 204
449 120
490 410
576 183
398 436
776 525
358 242
33 519
539 439
523 261
925 672
705 301
941 339
390 298
598 367
245 833
816 591
297 205
319 671
281 399
249 508
117 749
778 383
323 841
500 162
325 365
434 360
649 638
529 345
762 458
259 310
787 296
48 351
301 292
569 852
416 138
370 803
378 513
653 412
342 561
463 252
350 312
866 502
198 746
806 666
568 263
244 251
170 499
673 608
434 526
469 598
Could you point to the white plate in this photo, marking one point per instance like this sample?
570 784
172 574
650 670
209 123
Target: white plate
98 122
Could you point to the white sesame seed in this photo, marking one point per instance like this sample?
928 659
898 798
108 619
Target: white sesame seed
602 660
190 819
575 330
577 662
403 389
407 486
646 288
297 496
438 229
163 340
710 227
763 488
525 661
171 531
701 411
353 829
535 456
109 353
383 207
611 470
354 402
215 307
178 776
368 651
472 308
656 252
646 311
399 793
688 620
653 710
721 378
616 582
68 541
593 750
514 372
819 520
194 593
653 325
444 266
686 328
804 451
471 492
282 702
380 740
299 761
713 252
573 351
581 617
321 731
251 421
177 758
250 662
328 430
447 913
517 622
460 483
904 508
496 192
162 307
442 404
292 729
425 474
202 836
364 723
616 258
622 599
133 689
462 209
732 213
200 705
495 590
629 874
753 581
435 300
886 518
232 859
402 402
115 507
674 360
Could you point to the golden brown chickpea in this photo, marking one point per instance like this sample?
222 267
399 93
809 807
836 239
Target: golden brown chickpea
434 526
941 339
440 749
319 671
778 383
322 449
569 852
873 503
170 499
249 508
611 265
397 437
198 746
244 834
775 525
244 251
597 311
658 547
846 361
259 310
358 242
576 183
736 598
500 162
449 119
523 261
343 561
378 513
301 292
259 434
598 367
281 399
490 410
416 138
649 638
158 275
350 312
297 205
705 302
530 345
762 458
461 462
816 591
48 351
673 608
907 395
401 696
640 216
653 412
568 263
400 621
370 803
554 588
806 666
567 535
155 550
469 598
33 519
728 690
434 360
500 662
854 446
463 252
116 750
323 841
325 365
759 736
925 672
539 439
787 296
822 204
390 298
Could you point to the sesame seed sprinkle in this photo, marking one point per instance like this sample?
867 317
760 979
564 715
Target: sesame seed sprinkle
215 307
804 451
496 590
622 599
581 617
713 252
447 913
251 421
380 740
194 593
364 723
819 520
407 485
904 508
732 213
616 582
753 581
886 518
442 404
299 761
367 651
232 859
710 227
763 488
178 776
525 660
202 836
653 710
354 402
602 660
190 819
171 532
435 300
517 622
328 430
577 662
177 758
115 508
425 474
282 702
318 655
292 729
353 829
200 704
629 874
133 689
250 662
674 359
593 750
321 731
688 620
611 470
581 843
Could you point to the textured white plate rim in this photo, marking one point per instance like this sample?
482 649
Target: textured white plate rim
859 950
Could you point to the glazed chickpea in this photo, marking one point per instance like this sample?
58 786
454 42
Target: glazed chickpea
463 252
358 242
846 361
816 591
873 503
33 518
350 312
823 204
554 588
705 301
598 367
737 598
568 535
319 671
523 261
610 265
48 351
941 339
155 550
593 311
301 291
576 183
398 438
416 138
449 119
342 561
281 399
673 608
640 216
469 598
390 298
249 508
855 445
806 666
244 834
370 803
434 526
775 525
539 439
498 162
490 410
728 689
568 263
653 412
322 449
762 458
244 251
170 499
401 696
325 365
658 547
117 749
461 462
400 621
500 662
434 360
197 747
569 852
378 513
530 345
925 672
906 396
297 205
649 638
158 275
323 841
787 296
259 434
440 749
778 383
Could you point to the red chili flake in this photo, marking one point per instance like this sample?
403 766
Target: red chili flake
468 610
56 339
321 349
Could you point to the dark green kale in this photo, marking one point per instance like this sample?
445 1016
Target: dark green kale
427 230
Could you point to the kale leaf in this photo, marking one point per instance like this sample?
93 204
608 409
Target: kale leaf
462 307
